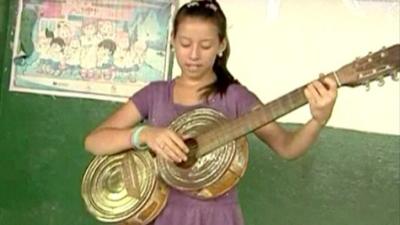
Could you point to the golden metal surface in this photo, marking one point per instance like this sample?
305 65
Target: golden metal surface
209 168
122 186
231 176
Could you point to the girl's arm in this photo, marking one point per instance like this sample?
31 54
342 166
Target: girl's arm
292 144
114 134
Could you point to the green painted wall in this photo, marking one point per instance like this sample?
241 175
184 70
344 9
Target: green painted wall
348 177
3 29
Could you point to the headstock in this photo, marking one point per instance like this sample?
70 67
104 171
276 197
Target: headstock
373 67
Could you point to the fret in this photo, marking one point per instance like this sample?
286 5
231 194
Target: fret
233 129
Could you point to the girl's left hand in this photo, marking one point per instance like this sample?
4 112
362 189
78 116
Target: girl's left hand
321 95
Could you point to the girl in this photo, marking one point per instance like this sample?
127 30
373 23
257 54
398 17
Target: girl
200 41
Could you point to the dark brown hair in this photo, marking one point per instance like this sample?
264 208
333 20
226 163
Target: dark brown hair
211 11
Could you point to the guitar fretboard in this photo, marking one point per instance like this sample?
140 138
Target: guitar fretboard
233 129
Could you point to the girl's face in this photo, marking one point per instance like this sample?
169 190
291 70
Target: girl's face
196 45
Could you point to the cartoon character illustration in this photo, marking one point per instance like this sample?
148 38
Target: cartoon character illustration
72 54
89 38
42 46
88 63
89 41
106 30
63 30
138 51
56 57
105 51
122 59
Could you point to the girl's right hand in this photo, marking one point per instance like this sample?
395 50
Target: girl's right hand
165 142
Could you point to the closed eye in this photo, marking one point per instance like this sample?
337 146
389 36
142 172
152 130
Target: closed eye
206 47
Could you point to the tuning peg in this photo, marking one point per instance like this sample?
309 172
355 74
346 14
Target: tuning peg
383 52
381 82
396 75
367 86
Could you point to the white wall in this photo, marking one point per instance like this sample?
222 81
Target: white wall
278 45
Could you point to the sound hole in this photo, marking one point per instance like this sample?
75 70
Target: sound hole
191 156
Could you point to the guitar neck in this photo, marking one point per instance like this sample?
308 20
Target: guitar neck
374 66
233 129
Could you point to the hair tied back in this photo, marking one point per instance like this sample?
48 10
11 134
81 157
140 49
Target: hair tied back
209 4
212 6
193 4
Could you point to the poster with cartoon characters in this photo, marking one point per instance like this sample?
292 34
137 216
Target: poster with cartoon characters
101 49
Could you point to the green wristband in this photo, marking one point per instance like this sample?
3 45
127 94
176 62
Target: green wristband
135 137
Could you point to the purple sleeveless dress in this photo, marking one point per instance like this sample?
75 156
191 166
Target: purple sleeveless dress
155 103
